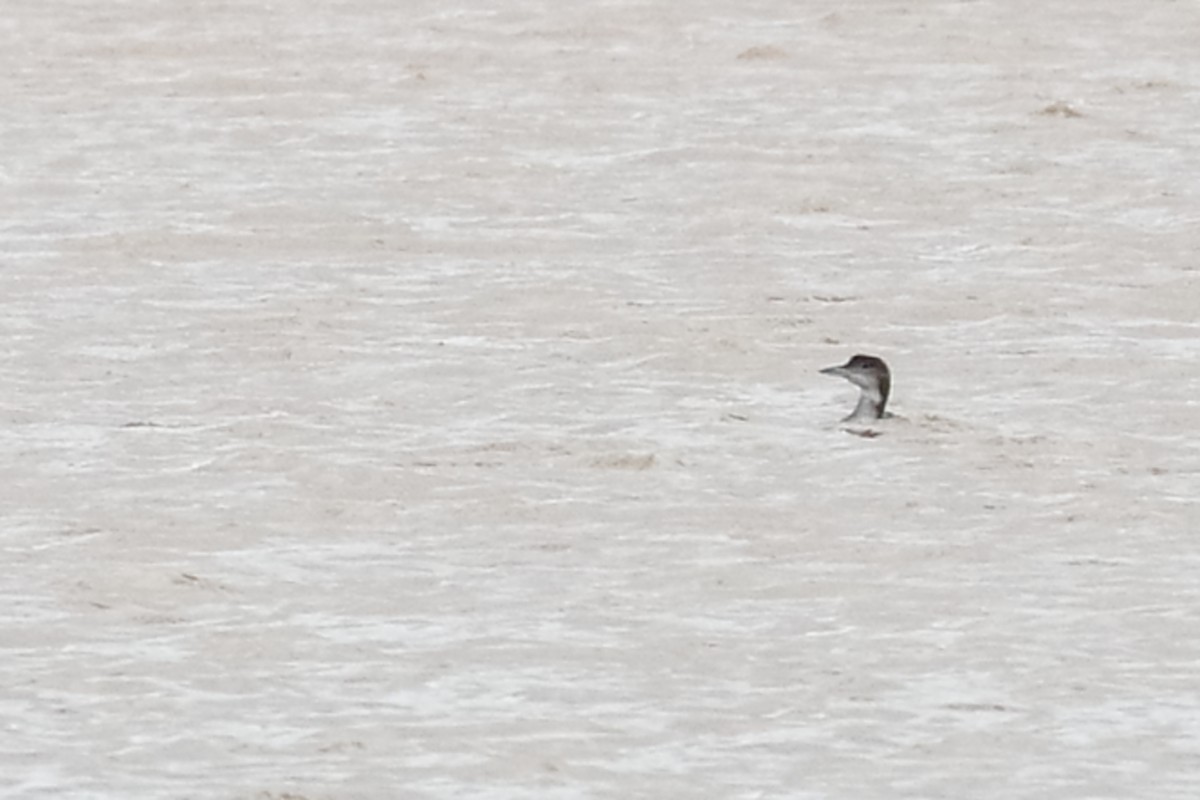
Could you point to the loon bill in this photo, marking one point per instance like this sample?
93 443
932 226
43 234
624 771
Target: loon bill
872 376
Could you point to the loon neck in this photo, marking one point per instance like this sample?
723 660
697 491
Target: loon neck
870 407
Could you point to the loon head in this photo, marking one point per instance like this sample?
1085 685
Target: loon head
870 375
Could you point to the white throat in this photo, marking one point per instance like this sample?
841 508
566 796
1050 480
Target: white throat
869 408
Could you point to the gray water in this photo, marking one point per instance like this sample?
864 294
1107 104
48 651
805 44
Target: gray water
421 400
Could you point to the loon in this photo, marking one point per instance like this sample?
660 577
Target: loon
870 375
